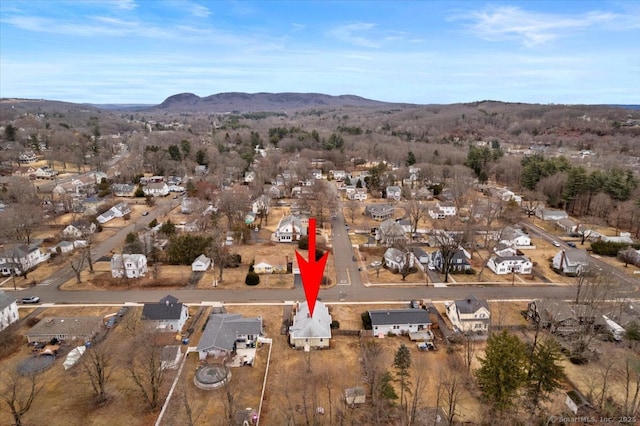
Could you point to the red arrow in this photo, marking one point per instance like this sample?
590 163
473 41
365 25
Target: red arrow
311 271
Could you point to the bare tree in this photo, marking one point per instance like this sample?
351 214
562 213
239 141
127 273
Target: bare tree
419 376
450 387
352 207
97 366
468 349
416 212
18 393
531 201
231 402
584 232
323 201
631 387
20 222
448 244
77 265
145 369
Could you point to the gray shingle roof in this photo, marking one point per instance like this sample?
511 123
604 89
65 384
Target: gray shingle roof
317 326
470 304
222 330
167 309
399 316
5 300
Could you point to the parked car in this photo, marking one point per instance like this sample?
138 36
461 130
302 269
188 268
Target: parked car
570 244
415 304
111 322
145 213
31 299
555 243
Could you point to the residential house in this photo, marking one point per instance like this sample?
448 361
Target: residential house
166 315
551 214
224 333
18 259
128 265
261 205
623 237
442 210
399 321
119 210
504 250
79 229
515 237
275 192
156 189
571 261
393 192
249 176
27 157
71 330
355 395
201 263
459 261
502 265
389 232
379 211
396 260
289 229
316 173
421 256
469 315
358 194
424 193
338 174
559 316
123 190
45 172
311 332
271 265
189 204
567 225
62 247
8 310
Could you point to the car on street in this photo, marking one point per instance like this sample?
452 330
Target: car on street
145 213
555 243
31 299
570 244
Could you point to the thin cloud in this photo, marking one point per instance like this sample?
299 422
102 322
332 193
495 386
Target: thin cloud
532 28
352 33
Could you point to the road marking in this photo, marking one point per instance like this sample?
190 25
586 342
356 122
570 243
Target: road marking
45 282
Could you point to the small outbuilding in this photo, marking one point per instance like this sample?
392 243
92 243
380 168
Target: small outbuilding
355 395
201 264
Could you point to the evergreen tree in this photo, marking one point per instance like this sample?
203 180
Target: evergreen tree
411 159
385 388
544 374
402 364
502 372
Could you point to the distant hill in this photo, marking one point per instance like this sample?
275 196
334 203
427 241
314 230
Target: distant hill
254 102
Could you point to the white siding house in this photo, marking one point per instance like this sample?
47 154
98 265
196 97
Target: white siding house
313 332
166 315
289 229
399 321
128 265
469 315
8 310
502 265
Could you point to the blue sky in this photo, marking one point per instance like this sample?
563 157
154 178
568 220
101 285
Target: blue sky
142 51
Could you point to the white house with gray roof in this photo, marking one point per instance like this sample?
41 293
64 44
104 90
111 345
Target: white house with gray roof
399 321
379 211
395 260
469 314
8 310
311 332
571 261
224 333
390 231
502 265
289 229
166 315
128 265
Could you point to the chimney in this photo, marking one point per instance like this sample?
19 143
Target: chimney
166 302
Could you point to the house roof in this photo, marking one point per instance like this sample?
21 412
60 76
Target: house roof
399 316
305 326
418 252
500 259
18 252
470 304
167 308
391 227
222 330
74 326
394 254
290 219
576 256
6 300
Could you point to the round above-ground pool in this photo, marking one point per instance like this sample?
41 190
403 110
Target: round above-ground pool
35 364
211 376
